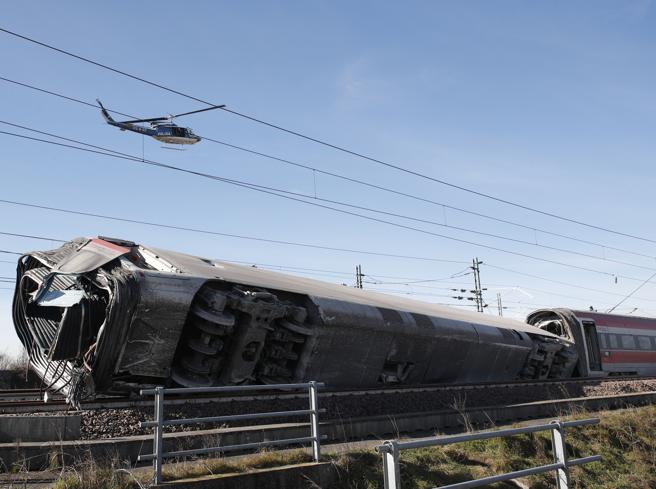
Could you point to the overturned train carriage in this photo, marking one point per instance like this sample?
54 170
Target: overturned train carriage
110 316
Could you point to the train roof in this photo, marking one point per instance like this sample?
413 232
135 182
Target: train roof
602 318
230 272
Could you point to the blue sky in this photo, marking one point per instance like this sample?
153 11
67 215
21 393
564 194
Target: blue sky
549 104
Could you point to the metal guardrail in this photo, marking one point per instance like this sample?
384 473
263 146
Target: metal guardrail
391 449
159 422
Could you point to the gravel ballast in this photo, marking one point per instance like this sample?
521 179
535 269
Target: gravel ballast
110 423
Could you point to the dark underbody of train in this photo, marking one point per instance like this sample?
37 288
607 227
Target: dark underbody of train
109 316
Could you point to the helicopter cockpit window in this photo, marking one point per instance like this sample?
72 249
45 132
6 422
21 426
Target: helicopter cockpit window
179 131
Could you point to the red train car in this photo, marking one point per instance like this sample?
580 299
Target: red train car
607 344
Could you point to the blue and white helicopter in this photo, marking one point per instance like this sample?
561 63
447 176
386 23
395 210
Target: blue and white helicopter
161 128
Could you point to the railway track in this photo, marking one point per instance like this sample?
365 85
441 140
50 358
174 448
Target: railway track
31 400
21 395
335 430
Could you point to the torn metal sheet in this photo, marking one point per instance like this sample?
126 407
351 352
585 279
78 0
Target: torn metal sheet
90 256
60 298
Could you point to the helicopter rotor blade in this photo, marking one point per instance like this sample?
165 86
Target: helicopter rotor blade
197 111
172 116
154 119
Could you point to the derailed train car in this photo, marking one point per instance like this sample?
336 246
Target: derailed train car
109 316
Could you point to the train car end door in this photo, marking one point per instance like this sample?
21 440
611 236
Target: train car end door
592 345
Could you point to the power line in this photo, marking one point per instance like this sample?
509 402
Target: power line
100 65
66 97
631 293
465 288
227 235
275 192
4 233
409 292
559 282
370 185
414 282
327 144
352 206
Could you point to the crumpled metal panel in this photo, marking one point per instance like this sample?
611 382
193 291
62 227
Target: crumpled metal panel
156 324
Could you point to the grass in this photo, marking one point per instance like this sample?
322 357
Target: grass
111 475
626 439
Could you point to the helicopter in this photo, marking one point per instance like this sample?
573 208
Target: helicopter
161 128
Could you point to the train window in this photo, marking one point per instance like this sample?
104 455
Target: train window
644 343
613 340
602 341
628 342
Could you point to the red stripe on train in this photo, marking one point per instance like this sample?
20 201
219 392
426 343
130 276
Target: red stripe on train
617 321
111 246
617 356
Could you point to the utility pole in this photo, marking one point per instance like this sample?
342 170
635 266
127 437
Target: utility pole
358 276
499 306
478 291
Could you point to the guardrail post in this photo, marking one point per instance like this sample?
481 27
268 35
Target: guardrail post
560 454
391 473
159 429
314 421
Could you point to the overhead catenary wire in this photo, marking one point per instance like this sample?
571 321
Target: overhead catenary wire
559 282
461 273
362 182
227 235
631 293
428 294
492 286
325 143
272 191
32 236
278 193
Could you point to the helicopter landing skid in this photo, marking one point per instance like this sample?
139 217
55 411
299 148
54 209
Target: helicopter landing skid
172 148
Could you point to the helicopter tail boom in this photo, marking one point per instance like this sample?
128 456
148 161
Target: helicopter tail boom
105 114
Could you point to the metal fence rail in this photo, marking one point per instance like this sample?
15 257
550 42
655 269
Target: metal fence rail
159 422
391 449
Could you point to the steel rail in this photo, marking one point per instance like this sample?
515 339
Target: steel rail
8 406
